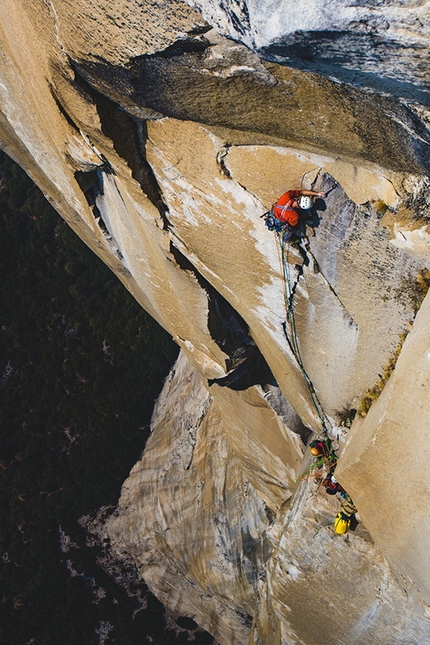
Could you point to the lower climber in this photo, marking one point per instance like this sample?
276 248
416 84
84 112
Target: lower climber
293 210
320 448
342 522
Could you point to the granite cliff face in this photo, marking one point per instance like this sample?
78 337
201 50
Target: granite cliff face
161 139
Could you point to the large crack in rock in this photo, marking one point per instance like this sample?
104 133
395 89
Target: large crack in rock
245 365
129 137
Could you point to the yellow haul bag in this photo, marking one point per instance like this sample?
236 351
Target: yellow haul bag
342 523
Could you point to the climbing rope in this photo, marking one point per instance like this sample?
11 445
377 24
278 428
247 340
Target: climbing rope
292 339
328 459
317 465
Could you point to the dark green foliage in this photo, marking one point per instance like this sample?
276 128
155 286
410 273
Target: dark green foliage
80 367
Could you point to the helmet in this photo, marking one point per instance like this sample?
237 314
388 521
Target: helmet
317 447
305 202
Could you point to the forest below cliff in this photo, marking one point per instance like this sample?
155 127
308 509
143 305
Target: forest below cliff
80 366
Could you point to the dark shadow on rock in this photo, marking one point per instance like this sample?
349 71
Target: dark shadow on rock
305 258
249 367
176 83
129 136
354 523
286 412
245 364
319 205
313 219
361 60
307 218
91 184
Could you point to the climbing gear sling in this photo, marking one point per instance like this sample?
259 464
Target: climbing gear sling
273 223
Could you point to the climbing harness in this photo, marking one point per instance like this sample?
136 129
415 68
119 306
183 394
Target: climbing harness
286 213
272 222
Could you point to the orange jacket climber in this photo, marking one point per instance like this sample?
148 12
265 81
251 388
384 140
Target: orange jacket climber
287 207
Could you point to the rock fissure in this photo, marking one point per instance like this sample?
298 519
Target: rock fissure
63 109
129 136
222 154
92 185
245 364
196 45
317 270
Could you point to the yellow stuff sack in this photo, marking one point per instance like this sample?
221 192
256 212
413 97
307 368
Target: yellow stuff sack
342 524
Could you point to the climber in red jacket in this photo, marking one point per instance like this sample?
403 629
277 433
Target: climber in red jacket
289 204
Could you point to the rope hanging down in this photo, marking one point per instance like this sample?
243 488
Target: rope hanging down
327 458
292 338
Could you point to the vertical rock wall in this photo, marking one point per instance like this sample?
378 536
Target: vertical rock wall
161 143
396 431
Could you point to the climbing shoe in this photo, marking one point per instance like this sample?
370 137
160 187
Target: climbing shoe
287 236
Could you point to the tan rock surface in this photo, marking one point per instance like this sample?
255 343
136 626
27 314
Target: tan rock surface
325 588
161 146
347 294
396 431
190 546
